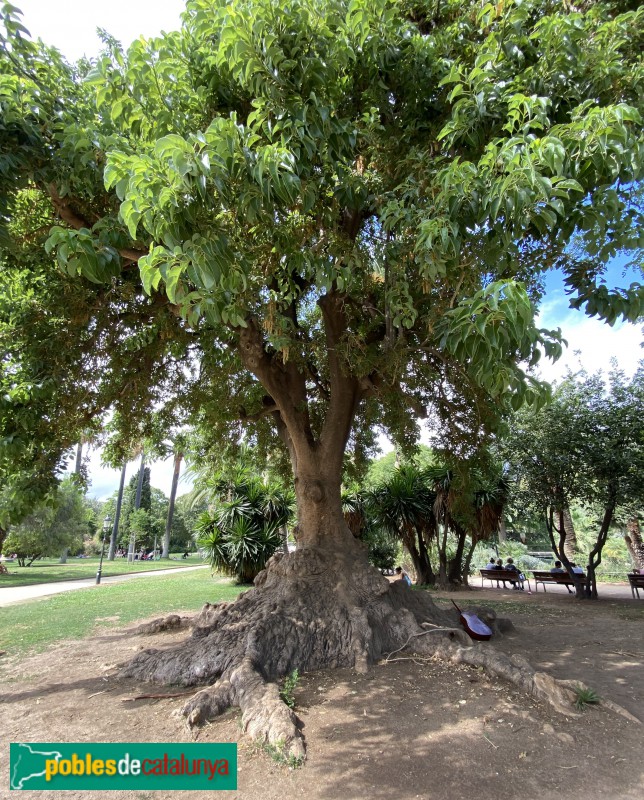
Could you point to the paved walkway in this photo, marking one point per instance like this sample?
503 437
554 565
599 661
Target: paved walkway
9 595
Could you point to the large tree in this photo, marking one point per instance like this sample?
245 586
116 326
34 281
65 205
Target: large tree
309 218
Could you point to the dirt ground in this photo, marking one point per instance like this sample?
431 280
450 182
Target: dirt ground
409 729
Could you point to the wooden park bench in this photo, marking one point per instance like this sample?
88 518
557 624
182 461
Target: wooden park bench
636 581
561 578
501 575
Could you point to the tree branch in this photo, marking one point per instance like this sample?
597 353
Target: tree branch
74 220
284 383
345 389
268 409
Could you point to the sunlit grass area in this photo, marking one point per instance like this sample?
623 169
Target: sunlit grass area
73 615
50 570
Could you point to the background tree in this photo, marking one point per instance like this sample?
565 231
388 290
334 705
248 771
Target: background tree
178 451
403 506
586 446
60 524
469 503
441 510
633 539
263 221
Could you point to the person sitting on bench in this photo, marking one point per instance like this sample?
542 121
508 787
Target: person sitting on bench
559 570
511 567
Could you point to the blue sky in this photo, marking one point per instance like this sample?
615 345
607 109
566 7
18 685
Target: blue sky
592 344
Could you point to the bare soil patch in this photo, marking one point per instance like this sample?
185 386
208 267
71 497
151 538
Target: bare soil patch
408 729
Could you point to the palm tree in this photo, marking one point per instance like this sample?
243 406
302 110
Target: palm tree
465 508
117 516
363 524
403 506
179 445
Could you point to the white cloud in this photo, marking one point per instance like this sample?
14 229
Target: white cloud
72 28
592 344
104 481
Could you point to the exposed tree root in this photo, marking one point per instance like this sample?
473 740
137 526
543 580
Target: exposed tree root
305 614
172 622
609 704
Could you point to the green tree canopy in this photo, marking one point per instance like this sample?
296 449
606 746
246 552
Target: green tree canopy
585 446
316 215
53 527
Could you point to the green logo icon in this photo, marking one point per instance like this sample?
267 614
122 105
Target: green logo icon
123 765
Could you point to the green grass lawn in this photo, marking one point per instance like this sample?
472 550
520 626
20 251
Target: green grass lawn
38 623
50 570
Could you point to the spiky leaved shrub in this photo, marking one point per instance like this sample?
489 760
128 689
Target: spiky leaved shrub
238 535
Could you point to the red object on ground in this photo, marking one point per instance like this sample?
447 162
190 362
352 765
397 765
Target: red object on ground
474 626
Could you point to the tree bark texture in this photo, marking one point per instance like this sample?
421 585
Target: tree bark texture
415 544
455 564
595 555
633 539
558 543
570 544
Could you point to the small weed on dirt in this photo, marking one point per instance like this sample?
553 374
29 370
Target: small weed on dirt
585 697
289 684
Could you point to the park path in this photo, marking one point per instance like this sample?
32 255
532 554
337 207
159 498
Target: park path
10 595
606 591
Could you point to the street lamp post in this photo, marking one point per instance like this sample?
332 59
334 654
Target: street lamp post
107 524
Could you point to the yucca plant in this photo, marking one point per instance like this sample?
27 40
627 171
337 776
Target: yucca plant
403 507
241 532
584 697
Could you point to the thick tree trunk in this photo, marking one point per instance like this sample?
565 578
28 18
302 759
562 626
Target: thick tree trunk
426 577
570 544
178 457
3 536
412 549
633 539
321 607
503 534
417 548
455 564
